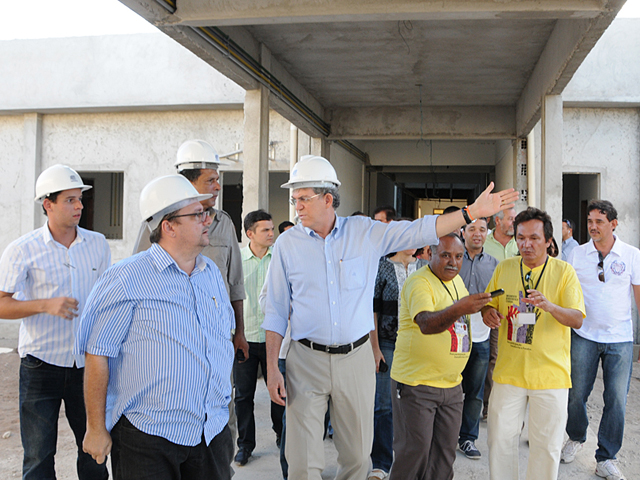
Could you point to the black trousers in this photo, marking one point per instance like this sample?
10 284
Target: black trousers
136 455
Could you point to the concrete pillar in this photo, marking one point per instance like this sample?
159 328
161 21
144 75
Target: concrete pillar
520 172
255 181
293 158
532 190
551 159
32 216
320 146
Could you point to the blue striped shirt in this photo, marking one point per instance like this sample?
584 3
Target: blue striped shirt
36 267
167 336
328 284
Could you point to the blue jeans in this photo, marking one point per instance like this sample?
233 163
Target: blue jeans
245 377
473 379
382 451
617 363
43 387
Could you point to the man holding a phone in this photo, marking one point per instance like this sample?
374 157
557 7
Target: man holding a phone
476 271
542 302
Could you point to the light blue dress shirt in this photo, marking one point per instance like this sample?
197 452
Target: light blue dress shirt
167 336
568 245
36 267
327 284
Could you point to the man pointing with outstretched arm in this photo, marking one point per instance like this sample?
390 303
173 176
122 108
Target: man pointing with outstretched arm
322 275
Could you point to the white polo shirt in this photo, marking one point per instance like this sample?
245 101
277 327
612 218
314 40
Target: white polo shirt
608 304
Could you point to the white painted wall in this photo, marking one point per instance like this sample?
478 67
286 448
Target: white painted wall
607 141
349 170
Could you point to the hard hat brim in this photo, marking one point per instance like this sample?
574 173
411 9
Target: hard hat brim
83 188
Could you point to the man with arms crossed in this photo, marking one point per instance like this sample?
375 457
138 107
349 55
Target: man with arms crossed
542 302
256 256
476 271
432 349
156 333
52 271
322 273
609 272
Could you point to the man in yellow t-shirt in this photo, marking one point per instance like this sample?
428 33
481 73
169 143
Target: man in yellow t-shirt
432 349
542 302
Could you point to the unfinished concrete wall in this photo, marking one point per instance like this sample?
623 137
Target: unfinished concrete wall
349 170
504 164
607 141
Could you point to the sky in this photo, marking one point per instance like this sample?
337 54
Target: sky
73 18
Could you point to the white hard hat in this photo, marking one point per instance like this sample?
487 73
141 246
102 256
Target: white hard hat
165 195
197 154
56 179
312 172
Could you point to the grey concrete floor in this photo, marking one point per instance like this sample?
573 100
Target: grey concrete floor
264 464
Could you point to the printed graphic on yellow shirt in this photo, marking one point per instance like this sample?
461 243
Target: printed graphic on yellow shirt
460 339
516 332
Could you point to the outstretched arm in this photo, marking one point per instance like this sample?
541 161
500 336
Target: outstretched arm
486 205
437 322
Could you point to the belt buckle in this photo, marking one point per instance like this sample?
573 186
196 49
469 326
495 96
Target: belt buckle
327 348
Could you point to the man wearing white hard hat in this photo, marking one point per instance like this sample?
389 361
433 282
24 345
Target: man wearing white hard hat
198 162
156 335
45 279
322 276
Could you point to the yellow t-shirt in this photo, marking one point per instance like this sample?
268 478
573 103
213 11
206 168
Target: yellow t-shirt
435 360
536 356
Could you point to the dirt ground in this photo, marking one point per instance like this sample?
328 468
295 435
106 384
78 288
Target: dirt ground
264 464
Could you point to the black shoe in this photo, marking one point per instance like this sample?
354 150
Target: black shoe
242 457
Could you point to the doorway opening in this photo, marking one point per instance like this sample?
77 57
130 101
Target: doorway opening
578 189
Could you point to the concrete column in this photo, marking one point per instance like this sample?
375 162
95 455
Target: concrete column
551 159
32 216
255 180
293 158
532 191
320 146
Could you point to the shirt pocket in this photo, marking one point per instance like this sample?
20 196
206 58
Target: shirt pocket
352 274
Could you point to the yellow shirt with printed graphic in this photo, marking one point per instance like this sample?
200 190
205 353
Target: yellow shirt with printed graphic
537 356
435 360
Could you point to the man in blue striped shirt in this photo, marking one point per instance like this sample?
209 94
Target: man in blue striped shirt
45 279
322 275
156 334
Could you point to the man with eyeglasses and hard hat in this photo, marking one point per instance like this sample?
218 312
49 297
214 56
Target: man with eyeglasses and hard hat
609 272
322 274
156 335
45 279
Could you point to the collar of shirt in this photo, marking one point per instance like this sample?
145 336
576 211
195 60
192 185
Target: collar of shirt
478 256
48 238
247 253
162 260
592 250
335 231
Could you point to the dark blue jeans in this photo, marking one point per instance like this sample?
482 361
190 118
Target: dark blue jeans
473 377
136 455
617 363
382 451
43 387
245 376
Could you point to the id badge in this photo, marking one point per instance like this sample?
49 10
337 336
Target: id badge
525 318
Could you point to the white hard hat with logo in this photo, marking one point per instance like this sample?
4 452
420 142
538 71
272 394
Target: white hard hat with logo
165 195
197 154
312 171
56 179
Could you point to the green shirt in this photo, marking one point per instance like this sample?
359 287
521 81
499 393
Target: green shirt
255 273
496 250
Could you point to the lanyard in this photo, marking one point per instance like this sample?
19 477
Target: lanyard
526 294
445 287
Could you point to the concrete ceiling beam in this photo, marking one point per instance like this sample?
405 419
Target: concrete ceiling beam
567 47
265 12
455 122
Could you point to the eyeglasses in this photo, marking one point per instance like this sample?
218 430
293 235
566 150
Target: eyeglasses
601 268
303 200
200 217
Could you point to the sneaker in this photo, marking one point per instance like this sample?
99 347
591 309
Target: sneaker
468 447
609 470
377 474
570 450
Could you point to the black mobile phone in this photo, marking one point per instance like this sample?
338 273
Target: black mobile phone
497 293
383 367
240 356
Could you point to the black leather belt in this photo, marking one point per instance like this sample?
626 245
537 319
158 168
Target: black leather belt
341 349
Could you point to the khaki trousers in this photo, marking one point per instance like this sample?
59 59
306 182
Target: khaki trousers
547 421
348 383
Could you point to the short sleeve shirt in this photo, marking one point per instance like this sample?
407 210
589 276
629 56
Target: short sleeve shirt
436 360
